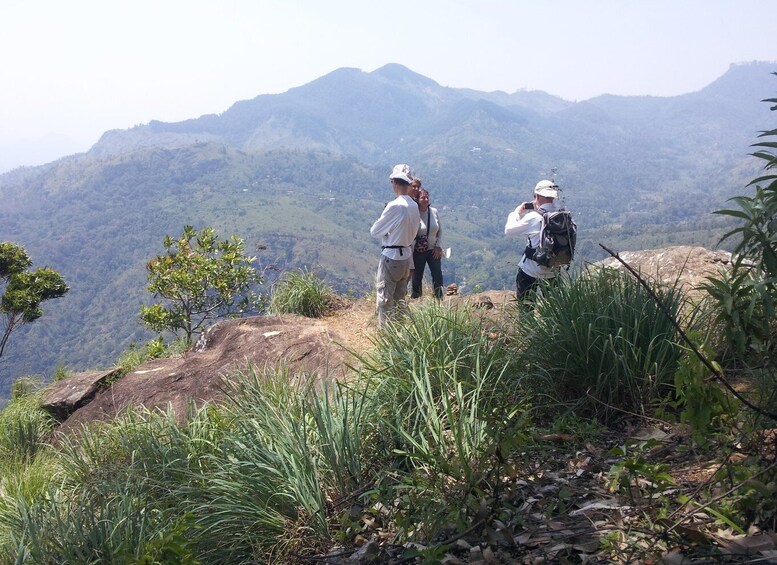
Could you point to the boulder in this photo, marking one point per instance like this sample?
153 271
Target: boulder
64 397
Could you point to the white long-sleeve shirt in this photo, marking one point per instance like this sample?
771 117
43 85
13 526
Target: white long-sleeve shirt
434 232
529 225
397 225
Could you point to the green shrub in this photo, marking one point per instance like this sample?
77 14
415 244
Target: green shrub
302 292
747 298
743 314
601 343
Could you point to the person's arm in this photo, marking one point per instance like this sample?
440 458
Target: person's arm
437 252
388 221
520 222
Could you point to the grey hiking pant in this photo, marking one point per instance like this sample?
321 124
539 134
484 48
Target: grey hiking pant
391 287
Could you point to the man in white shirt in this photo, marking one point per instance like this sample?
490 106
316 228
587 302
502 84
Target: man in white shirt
526 221
396 228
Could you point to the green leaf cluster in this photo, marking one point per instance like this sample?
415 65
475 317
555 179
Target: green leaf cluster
199 278
24 289
746 298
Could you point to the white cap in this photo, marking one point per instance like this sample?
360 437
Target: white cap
402 172
546 188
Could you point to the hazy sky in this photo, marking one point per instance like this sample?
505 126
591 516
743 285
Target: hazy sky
77 68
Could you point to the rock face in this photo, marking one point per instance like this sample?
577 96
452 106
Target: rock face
688 266
64 397
306 345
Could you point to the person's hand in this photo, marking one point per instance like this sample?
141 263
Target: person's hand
525 207
437 252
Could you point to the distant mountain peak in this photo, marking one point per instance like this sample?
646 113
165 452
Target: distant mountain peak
395 72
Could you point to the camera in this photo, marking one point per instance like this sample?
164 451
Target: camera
528 205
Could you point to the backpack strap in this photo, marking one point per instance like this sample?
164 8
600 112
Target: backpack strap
530 250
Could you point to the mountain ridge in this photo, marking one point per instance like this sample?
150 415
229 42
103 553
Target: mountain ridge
303 180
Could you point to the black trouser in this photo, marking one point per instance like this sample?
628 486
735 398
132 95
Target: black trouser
525 284
420 260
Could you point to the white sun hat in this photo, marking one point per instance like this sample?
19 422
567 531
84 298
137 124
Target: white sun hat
546 188
402 172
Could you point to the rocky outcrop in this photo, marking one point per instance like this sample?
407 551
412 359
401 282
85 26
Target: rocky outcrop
685 265
307 346
64 397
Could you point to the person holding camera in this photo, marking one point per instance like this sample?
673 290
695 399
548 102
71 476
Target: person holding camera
428 248
526 221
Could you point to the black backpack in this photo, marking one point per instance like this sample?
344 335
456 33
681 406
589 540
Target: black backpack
558 236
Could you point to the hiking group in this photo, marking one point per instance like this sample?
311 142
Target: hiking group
410 234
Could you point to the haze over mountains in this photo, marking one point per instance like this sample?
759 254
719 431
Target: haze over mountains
304 173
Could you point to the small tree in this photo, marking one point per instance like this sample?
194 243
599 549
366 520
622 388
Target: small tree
24 289
199 278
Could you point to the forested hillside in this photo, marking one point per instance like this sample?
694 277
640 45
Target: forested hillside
301 175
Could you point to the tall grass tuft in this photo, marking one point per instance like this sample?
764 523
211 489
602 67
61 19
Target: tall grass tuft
600 342
118 497
302 292
270 414
443 339
343 419
115 528
22 483
26 385
24 426
446 398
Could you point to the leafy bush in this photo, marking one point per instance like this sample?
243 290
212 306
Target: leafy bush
199 279
747 298
601 343
302 292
